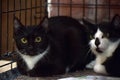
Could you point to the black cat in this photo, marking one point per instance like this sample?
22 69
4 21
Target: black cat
56 46
105 44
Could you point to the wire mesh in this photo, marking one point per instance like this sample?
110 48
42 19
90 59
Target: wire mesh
30 12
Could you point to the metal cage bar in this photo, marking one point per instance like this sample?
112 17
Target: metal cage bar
109 10
96 11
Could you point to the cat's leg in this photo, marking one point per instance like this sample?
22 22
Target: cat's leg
91 65
99 68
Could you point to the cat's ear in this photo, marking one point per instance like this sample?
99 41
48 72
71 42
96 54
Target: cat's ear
116 21
17 23
44 23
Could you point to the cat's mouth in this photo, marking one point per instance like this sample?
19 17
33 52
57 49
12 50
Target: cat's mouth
99 50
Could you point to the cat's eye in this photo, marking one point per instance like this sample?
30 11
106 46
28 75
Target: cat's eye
91 37
24 40
38 39
105 35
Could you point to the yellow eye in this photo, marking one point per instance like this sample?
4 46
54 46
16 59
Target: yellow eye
38 39
24 40
107 34
91 37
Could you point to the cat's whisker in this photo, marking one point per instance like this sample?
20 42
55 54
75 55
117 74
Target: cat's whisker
88 52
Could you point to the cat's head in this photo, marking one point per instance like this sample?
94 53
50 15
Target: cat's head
31 40
102 35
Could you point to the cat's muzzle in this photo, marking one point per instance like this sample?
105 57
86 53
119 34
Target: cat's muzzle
99 50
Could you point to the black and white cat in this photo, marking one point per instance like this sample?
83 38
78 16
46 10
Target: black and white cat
55 46
105 44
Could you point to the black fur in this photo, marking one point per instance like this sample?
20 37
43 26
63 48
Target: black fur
112 64
68 42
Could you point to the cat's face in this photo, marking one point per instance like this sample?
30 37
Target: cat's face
104 34
30 40
100 39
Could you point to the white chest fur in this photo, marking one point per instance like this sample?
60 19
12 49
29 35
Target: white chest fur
101 58
32 60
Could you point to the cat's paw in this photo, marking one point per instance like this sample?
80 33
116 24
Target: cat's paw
91 65
100 69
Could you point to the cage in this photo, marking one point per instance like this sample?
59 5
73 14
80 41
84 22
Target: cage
31 12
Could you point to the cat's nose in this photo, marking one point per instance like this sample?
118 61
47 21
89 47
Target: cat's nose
97 42
30 47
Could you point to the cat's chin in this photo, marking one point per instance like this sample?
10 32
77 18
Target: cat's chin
30 53
99 50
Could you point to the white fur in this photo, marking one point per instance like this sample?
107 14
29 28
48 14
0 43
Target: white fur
98 33
100 69
107 47
32 60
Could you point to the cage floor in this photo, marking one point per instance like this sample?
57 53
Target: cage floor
15 75
6 67
75 74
